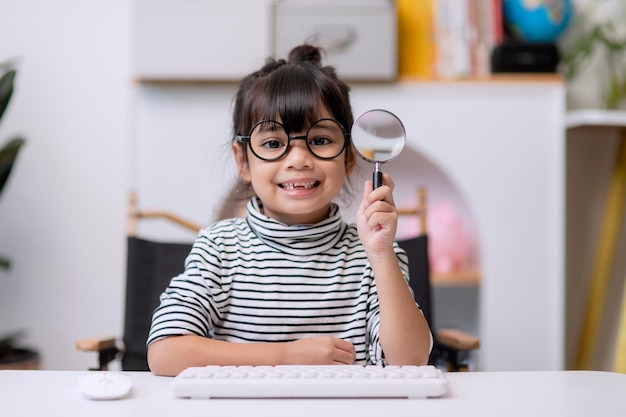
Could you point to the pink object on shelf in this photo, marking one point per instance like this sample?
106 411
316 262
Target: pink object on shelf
449 242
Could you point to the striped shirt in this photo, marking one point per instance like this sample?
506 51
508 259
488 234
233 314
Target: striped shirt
253 279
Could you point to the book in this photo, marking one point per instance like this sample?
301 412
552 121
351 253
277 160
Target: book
466 33
453 58
448 39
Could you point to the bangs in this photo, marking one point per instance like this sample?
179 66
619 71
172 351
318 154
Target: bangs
297 94
293 96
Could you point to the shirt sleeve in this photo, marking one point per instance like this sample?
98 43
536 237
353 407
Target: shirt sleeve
189 304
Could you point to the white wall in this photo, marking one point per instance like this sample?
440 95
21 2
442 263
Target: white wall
62 213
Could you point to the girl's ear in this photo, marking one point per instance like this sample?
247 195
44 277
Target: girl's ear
242 162
350 161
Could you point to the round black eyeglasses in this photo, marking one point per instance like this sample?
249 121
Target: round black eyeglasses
326 139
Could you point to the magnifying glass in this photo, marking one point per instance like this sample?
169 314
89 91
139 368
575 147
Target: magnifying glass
378 136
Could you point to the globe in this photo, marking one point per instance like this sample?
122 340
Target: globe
537 20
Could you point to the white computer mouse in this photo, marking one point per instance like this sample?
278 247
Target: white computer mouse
103 385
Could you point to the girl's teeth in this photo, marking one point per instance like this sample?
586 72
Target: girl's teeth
305 185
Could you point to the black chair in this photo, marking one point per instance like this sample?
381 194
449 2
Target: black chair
451 346
150 267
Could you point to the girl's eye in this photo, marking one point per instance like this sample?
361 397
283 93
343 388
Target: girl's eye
273 144
320 141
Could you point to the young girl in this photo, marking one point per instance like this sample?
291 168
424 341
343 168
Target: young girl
291 283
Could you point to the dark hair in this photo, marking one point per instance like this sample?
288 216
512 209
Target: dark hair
293 89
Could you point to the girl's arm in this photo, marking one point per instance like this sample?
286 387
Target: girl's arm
171 355
404 333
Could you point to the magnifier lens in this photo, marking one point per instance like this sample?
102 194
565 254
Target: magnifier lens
378 136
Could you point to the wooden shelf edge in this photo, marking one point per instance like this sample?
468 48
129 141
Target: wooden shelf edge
216 80
165 81
521 78
492 78
463 278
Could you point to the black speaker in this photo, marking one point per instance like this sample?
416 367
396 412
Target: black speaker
514 56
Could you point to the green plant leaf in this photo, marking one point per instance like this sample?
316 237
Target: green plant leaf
8 155
6 89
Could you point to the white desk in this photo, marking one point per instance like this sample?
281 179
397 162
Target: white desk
527 394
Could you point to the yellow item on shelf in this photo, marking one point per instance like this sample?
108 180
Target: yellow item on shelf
416 43
620 352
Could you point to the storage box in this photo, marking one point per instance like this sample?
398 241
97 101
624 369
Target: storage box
200 39
227 39
359 36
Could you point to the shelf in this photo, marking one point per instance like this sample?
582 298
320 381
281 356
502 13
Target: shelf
595 117
186 81
494 78
469 277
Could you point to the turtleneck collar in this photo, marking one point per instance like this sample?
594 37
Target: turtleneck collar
297 239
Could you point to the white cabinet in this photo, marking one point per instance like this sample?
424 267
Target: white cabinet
500 142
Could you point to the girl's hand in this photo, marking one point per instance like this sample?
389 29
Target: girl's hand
321 350
377 218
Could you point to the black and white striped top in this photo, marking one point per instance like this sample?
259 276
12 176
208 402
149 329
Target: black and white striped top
254 279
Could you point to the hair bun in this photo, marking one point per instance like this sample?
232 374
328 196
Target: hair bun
306 53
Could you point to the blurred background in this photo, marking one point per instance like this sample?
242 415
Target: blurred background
107 106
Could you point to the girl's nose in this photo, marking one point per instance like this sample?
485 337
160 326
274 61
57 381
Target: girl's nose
298 155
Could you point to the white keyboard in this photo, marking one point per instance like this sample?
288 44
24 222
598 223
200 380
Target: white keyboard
313 381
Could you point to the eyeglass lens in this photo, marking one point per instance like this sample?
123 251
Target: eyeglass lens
325 139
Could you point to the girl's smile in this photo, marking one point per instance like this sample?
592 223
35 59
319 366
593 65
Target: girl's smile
299 187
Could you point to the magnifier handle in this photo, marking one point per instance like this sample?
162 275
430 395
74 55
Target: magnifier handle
377 179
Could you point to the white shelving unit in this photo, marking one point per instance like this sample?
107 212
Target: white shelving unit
503 145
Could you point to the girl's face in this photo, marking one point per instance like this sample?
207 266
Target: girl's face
298 188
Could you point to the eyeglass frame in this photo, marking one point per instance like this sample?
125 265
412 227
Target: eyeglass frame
247 139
